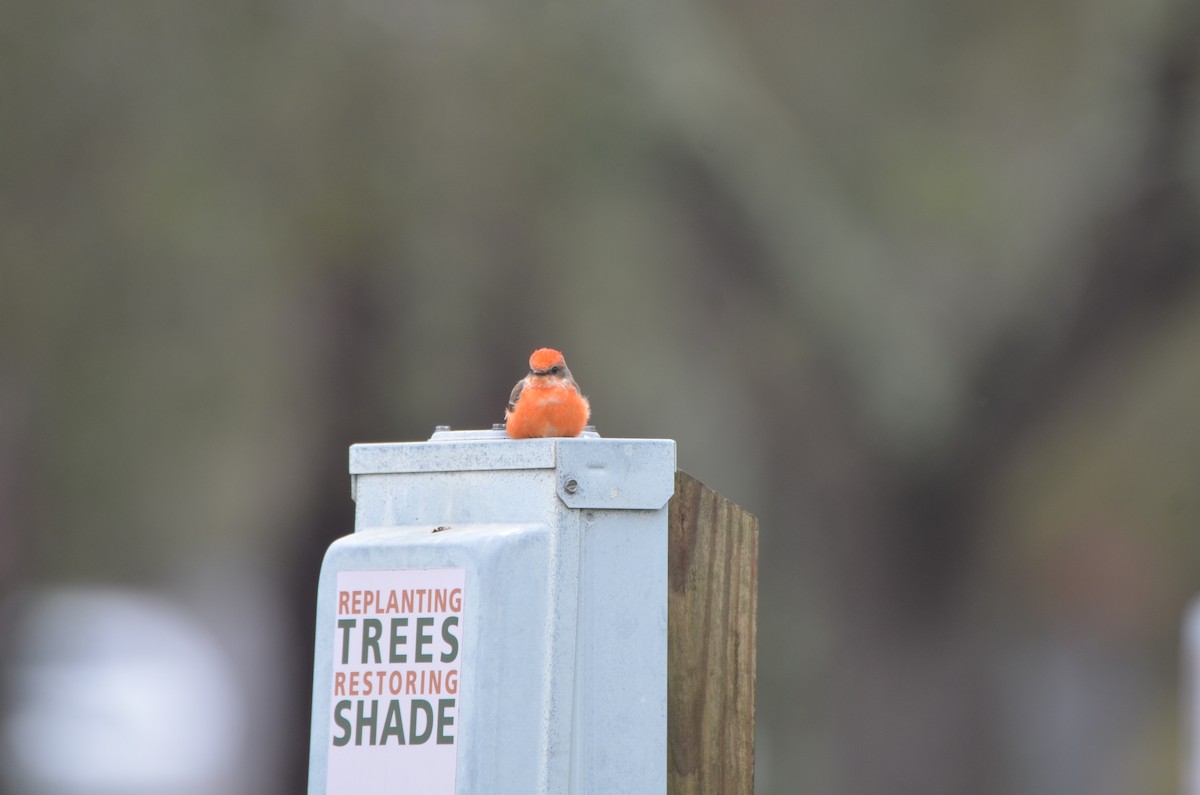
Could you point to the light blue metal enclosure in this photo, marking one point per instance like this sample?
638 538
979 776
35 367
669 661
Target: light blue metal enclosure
497 623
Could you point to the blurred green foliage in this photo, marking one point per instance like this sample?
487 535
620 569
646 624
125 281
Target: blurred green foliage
914 283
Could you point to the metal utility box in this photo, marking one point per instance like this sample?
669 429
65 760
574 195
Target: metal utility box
497 623
1191 698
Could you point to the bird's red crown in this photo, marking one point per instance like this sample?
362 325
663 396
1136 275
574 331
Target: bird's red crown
544 358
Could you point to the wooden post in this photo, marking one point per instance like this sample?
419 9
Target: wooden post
711 608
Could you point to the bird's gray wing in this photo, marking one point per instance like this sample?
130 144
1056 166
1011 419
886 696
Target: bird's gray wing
516 394
570 379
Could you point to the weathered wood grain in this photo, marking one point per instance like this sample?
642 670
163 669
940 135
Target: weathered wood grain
711 609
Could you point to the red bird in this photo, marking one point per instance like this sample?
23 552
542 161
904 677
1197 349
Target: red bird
547 402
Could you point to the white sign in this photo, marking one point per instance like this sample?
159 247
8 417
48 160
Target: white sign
397 655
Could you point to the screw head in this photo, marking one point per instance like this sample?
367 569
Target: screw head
571 486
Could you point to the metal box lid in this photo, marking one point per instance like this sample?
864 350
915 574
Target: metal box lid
592 472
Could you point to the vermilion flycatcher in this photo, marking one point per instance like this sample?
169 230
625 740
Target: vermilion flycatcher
547 402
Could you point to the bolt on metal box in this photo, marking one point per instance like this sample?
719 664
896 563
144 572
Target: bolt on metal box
497 623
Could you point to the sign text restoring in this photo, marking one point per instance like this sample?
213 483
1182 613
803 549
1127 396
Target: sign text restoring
396 666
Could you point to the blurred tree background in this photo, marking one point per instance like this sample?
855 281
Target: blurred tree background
915 283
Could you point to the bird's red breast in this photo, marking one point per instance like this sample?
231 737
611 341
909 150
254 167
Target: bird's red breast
557 410
547 402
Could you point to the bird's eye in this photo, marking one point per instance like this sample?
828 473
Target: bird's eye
555 369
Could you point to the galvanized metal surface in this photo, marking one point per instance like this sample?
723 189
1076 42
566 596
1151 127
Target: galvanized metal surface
616 474
1191 690
564 670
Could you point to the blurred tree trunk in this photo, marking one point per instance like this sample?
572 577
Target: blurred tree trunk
350 312
915 706
913 700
